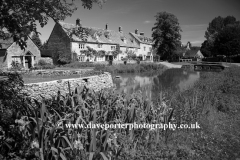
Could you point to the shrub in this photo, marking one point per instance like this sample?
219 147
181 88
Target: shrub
42 62
16 66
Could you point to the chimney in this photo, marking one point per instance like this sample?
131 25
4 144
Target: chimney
106 27
136 31
120 29
78 22
142 33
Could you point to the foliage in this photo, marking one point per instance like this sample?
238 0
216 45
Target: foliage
138 60
90 52
228 41
117 51
216 26
132 68
61 57
131 54
36 39
16 66
80 65
41 131
166 34
45 128
21 17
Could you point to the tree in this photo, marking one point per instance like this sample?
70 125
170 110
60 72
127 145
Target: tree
227 42
35 38
19 18
166 34
216 26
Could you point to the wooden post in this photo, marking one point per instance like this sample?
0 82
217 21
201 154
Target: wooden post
24 62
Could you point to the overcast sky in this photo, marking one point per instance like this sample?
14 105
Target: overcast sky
193 15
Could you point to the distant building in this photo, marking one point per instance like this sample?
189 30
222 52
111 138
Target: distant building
98 39
191 54
11 52
145 45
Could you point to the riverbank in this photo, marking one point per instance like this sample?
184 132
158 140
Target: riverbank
132 68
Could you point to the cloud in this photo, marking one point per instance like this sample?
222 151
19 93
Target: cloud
147 21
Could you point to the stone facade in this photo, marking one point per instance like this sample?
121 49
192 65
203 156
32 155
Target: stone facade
27 58
49 89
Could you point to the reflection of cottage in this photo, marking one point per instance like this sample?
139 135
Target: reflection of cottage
98 39
145 45
11 52
191 54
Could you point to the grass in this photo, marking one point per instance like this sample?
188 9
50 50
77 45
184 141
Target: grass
35 79
131 68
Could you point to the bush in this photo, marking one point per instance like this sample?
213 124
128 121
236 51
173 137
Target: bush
16 66
42 62
138 60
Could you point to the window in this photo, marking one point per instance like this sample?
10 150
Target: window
99 45
150 48
113 48
81 46
144 48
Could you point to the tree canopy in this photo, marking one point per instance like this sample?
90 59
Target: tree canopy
166 34
35 38
217 27
228 41
18 18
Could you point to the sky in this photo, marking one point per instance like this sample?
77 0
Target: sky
194 16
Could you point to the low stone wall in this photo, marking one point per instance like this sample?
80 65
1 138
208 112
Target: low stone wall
49 89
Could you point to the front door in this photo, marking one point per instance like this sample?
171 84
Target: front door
28 62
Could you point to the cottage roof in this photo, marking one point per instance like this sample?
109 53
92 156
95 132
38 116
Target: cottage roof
142 39
98 35
190 53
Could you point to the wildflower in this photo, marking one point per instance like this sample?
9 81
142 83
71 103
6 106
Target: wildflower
78 145
34 144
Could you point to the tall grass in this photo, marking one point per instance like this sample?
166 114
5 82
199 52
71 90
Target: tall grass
213 102
131 68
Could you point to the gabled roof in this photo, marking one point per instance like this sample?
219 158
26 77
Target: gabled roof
98 35
190 53
142 39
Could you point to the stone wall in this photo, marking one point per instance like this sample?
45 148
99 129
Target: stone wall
49 89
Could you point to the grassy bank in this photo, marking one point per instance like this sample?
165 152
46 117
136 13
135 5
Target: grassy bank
213 102
131 68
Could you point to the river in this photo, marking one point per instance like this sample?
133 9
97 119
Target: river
171 79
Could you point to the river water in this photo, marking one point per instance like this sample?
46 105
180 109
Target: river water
171 79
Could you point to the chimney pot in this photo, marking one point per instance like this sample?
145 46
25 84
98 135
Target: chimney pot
78 22
120 29
136 31
106 27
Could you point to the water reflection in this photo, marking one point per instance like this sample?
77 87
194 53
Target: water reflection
174 79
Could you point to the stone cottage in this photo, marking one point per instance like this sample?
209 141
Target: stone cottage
145 45
11 52
73 39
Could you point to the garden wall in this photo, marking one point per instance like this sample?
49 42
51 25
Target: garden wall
49 89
